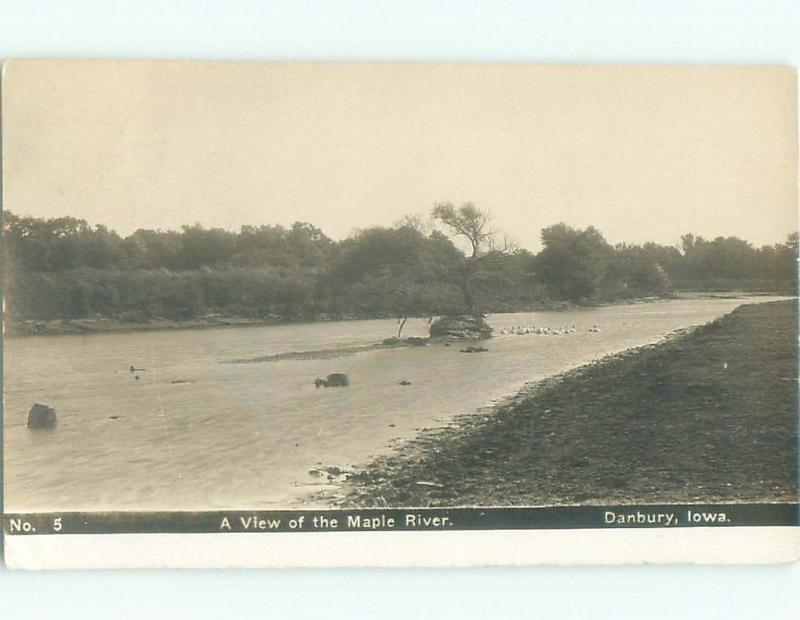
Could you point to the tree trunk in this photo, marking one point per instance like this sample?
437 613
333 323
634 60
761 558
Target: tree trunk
466 289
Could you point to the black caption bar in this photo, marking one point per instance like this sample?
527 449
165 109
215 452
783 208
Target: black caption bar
395 519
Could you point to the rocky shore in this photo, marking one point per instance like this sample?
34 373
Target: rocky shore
709 415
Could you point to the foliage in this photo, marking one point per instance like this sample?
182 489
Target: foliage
66 268
484 262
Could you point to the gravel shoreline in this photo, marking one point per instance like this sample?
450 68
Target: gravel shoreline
709 415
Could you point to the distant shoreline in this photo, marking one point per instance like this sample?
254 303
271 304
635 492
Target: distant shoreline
102 325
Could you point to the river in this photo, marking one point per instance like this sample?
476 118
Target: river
198 432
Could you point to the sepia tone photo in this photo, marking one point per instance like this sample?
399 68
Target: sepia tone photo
348 287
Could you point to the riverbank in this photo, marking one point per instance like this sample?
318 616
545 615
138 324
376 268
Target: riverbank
101 325
709 415
56 327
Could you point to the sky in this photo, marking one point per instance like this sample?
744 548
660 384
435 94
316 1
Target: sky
643 153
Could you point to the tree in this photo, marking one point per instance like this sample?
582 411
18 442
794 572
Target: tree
573 262
415 221
397 271
469 223
200 246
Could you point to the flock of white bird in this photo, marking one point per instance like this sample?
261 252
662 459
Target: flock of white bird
525 330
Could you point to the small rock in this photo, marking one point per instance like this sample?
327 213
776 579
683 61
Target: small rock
337 379
404 382
41 416
417 342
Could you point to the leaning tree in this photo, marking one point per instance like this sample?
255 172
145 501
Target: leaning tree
472 225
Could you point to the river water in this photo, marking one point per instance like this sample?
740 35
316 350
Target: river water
198 432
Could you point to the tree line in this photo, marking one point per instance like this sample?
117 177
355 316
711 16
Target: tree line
66 268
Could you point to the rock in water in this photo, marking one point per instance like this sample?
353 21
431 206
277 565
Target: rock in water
41 416
474 350
463 326
337 379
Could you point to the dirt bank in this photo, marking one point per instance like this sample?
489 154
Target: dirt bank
707 416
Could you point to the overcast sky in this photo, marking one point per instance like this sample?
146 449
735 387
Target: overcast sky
642 153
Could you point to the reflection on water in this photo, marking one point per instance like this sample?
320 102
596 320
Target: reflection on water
195 433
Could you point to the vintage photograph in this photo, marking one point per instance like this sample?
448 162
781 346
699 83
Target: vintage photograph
267 286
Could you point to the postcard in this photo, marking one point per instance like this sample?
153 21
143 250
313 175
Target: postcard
370 314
